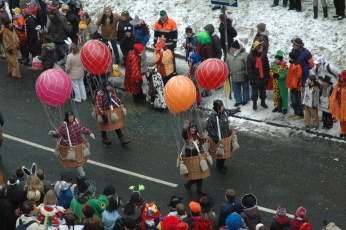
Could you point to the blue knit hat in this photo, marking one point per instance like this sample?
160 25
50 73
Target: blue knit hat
234 221
195 58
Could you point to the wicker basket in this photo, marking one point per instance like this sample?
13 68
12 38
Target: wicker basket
110 126
227 145
80 159
192 164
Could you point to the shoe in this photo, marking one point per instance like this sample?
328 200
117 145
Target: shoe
222 170
335 16
297 117
237 104
275 110
201 193
340 17
254 106
264 105
307 128
273 5
188 189
244 103
124 141
106 141
284 111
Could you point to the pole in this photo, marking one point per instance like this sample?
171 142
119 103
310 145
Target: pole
226 47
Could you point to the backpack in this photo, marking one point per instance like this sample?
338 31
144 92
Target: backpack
65 197
202 223
22 226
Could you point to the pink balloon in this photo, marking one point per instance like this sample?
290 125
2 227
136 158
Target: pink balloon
53 87
96 57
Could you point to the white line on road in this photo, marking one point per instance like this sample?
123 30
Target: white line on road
124 171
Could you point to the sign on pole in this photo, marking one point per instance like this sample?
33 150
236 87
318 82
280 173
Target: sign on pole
233 3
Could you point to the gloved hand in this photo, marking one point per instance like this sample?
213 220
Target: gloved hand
104 118
92 136
216 140
51 132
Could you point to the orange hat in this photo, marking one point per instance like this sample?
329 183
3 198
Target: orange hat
195 207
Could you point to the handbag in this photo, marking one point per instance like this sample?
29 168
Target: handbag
220 150
235 144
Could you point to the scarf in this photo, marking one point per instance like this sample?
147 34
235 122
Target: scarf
259 66
281 219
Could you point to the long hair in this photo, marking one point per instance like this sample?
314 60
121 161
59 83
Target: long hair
50 198
103 19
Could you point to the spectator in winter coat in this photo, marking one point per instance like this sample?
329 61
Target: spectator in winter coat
231 33
31 32
27 218
326 91
258 72
280 220
5 17
204 46
340 9
47 55
124 22
263 37
298 219
15 194
163 59
250 214
73 19
19 171
310 102
304 57
234 222
294 83
86 28
7 215
236 62
141 34
109 24
215 40
167 28
323 68
295 5
111 214
125 38
231 205
190 44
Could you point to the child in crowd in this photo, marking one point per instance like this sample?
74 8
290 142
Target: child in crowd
190 43
326 91
311 101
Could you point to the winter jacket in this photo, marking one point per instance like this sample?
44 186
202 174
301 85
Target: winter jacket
228 208
4 17
205 51
141 33
212 127
73 19
296 223
59 29
19 25
294 76
31 24
109 219
280 223
169 30
253 72
122 27
215 40
26 219
108 30
74 66
237 65
313 91
133 76
263 37
164 61
7 216
126 44
15 195
306 61
251 217
47 55
338 101
191 45
231 34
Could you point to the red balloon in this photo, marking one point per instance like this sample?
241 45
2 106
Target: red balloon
96 57
212 73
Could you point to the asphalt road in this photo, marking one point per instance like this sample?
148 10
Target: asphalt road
291 169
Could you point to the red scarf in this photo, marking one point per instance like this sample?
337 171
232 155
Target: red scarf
259 66
281 219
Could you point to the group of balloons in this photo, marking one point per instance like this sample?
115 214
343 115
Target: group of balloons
180 92
54 87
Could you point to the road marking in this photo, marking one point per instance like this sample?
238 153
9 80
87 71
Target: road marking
124 171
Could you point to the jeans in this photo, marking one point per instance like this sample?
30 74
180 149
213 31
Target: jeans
296 99
79 89
240 95
115 50
61 51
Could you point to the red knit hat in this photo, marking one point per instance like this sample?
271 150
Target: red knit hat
182 226
170 223
301 212
138 48
342 75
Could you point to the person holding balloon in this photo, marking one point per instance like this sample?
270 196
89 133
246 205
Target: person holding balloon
71 137
110 112
220 134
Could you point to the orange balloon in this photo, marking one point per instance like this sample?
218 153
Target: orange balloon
179 94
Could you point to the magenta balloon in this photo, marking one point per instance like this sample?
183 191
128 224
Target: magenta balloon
96 57
53 87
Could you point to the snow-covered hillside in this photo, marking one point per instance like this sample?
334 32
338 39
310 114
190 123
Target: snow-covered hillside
325 37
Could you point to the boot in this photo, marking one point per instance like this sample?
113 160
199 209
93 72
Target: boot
188 188
275 110
325 12
315 12
124 140
264 105
254 105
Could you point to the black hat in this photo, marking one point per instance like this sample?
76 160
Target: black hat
293 56
326 79
217 104
248 201
297 41
130 210
188 30
235 44
206 203
175 199
128 28
84 188
66 175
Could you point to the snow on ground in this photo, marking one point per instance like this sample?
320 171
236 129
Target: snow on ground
322 37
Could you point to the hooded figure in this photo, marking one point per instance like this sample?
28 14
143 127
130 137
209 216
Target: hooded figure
215 40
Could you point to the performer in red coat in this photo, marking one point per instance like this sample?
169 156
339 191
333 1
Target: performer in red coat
133 76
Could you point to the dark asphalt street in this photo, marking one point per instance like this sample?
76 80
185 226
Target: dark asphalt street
291 169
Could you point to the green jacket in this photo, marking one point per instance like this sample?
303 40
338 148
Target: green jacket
99 206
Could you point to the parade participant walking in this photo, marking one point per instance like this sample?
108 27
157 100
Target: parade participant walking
110 113
220 133
338 102
73 150
193 147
